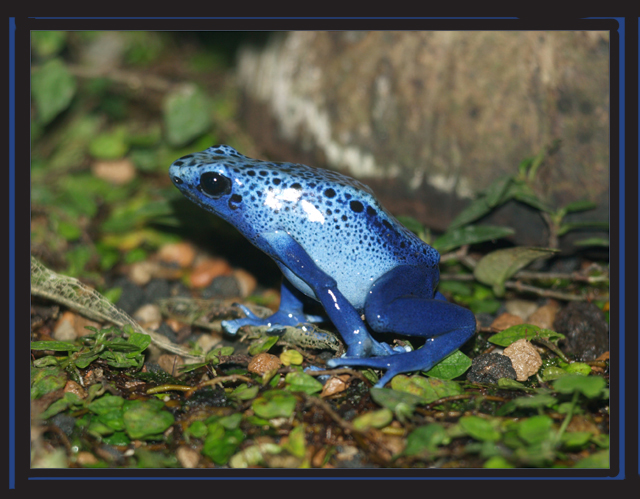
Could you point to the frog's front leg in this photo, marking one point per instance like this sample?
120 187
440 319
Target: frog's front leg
286 251
290 312
403 302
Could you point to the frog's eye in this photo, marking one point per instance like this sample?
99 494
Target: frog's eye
214 185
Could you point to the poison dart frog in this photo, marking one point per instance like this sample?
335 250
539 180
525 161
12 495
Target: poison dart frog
336 244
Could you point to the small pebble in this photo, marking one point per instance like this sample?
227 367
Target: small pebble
525 359
86 458
118 172
544 316
208 341
181 254
207 270
187 456
148 316
263 362
170 363
521 308
246 282
64 329
73 387
505 321
335 384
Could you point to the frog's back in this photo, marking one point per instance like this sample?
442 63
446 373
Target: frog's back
335 218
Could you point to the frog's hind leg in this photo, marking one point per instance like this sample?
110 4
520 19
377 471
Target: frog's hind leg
402 302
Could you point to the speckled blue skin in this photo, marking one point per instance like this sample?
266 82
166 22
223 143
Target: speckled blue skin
336 244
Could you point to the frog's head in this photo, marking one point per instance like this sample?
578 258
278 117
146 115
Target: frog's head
205 179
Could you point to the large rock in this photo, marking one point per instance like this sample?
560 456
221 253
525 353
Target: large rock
428 119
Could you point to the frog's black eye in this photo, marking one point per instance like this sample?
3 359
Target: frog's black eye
214 185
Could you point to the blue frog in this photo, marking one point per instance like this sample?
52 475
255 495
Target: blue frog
336 244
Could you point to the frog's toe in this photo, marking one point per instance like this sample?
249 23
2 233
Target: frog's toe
231 327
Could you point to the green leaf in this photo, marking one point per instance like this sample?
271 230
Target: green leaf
302 382
498 266
553 372
593 241
580 205
474 211
52 87
244 392
197 429
401 403
426 439
495 193
56 346
106 404
46 380
263 344
112 145
186 115
48 43
146 419
428 389
220 447
296 443
471 234
519 331
589 386
578 368
274 404
479 428
375 419
576 439
451 366
536 429
511 384
596 460
523 193
564 228
497 462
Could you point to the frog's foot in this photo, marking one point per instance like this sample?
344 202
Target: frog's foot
422 359
273 322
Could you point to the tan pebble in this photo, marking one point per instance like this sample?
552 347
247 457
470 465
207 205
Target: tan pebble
118 172
264 362
86 458
64 329
524 357
543 317
505 321
207 270
318 457
148 316
208 341
141 272
188 457
73 387
170 363
182 254
335 384
246 282
604 356
521 308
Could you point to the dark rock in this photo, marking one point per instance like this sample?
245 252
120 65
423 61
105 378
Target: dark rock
132 297
157 289
167 332
224 286
585 328
490 367
65 422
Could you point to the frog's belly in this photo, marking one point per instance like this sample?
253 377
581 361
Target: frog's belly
354 285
